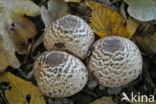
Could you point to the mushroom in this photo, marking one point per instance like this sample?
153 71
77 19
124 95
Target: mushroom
59 74
115 61
69 33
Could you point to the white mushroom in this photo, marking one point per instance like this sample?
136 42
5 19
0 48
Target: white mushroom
115 61
59 74
69 33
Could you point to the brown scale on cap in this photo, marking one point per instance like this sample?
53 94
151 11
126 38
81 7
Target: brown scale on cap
115 61
59 74
69 33
55 59
69 24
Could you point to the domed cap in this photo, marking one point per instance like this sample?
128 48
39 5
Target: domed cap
69 33
115 61
59 74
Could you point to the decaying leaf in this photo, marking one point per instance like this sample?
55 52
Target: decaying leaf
7 49
104 100
147 42
72 0
16 29
143 10
12 13
20 90
55 10
22 29
107 22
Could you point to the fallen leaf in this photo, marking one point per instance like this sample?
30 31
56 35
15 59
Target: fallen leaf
103 100
20 89
107 22
16 29
7 49
26 7
12 13
4 62
131 26
72 0
55 10
143 10
22 29
147 42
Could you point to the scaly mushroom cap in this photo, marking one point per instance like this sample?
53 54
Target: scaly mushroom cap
59 74
115 61
70 33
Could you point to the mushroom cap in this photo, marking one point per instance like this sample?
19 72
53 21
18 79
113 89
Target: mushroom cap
69 33
115 61
59 74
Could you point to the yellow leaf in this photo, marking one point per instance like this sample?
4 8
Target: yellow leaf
132 26
104 100
15 29
72 0
12 13
7 49
20 89
22 30
107 22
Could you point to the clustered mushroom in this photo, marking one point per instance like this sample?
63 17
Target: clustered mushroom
69 33
59 74
114 60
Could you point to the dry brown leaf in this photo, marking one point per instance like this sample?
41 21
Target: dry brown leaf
104 100
15 29
147 42
20 89
72 0
107 22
